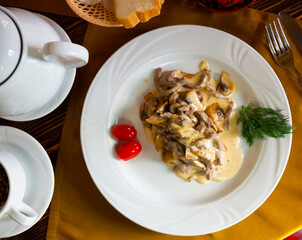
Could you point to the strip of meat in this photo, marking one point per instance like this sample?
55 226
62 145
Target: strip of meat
219 145
162 85
171 90
228 114
199 164
182 167
175 147
209 172
174 107
218 157
199 144
216 94
173 97
201 127
204 117
210 133
205 76
166 115
157 75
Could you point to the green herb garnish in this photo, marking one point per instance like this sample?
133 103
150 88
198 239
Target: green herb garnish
259 123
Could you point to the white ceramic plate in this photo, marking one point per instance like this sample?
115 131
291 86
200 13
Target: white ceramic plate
144 189
38 171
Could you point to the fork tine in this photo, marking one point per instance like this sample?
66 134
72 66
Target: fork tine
270 43
278 38
274 40
283 36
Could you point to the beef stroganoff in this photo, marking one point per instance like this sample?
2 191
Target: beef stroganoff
191 119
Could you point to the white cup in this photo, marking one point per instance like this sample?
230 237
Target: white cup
14 206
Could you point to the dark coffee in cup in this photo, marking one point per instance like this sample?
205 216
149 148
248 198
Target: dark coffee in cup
4 186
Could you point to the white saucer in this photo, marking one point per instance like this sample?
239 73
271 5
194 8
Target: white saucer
63 90
38 171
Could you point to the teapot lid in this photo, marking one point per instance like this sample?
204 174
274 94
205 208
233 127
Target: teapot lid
10 46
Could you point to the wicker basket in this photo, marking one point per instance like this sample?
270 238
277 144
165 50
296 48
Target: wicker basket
95 14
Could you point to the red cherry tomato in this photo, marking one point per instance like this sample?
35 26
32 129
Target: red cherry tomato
124 132
129 150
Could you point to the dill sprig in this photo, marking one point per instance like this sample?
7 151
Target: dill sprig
259 123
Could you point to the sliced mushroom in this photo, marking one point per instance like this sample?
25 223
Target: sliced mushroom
142 111
168 156
156 119
159 143
225 86
212 112
192 98
204 65
185 121
161 108
188 133
148 96
187 75
149 134
190 155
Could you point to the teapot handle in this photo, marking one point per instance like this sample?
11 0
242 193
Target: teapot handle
71 55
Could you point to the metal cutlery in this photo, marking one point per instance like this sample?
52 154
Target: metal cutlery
280 48
293 28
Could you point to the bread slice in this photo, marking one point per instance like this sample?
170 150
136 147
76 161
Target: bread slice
131 12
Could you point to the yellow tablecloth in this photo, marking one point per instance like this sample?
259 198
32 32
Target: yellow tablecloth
78 209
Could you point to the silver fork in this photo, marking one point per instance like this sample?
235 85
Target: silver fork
281 50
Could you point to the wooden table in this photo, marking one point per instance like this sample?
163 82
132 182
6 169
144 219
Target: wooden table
47 130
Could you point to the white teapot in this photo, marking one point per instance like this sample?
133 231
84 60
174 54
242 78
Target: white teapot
33 61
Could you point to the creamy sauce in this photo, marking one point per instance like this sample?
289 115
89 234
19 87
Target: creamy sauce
233 156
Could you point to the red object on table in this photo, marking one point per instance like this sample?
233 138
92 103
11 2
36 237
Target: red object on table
224 6
296 236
